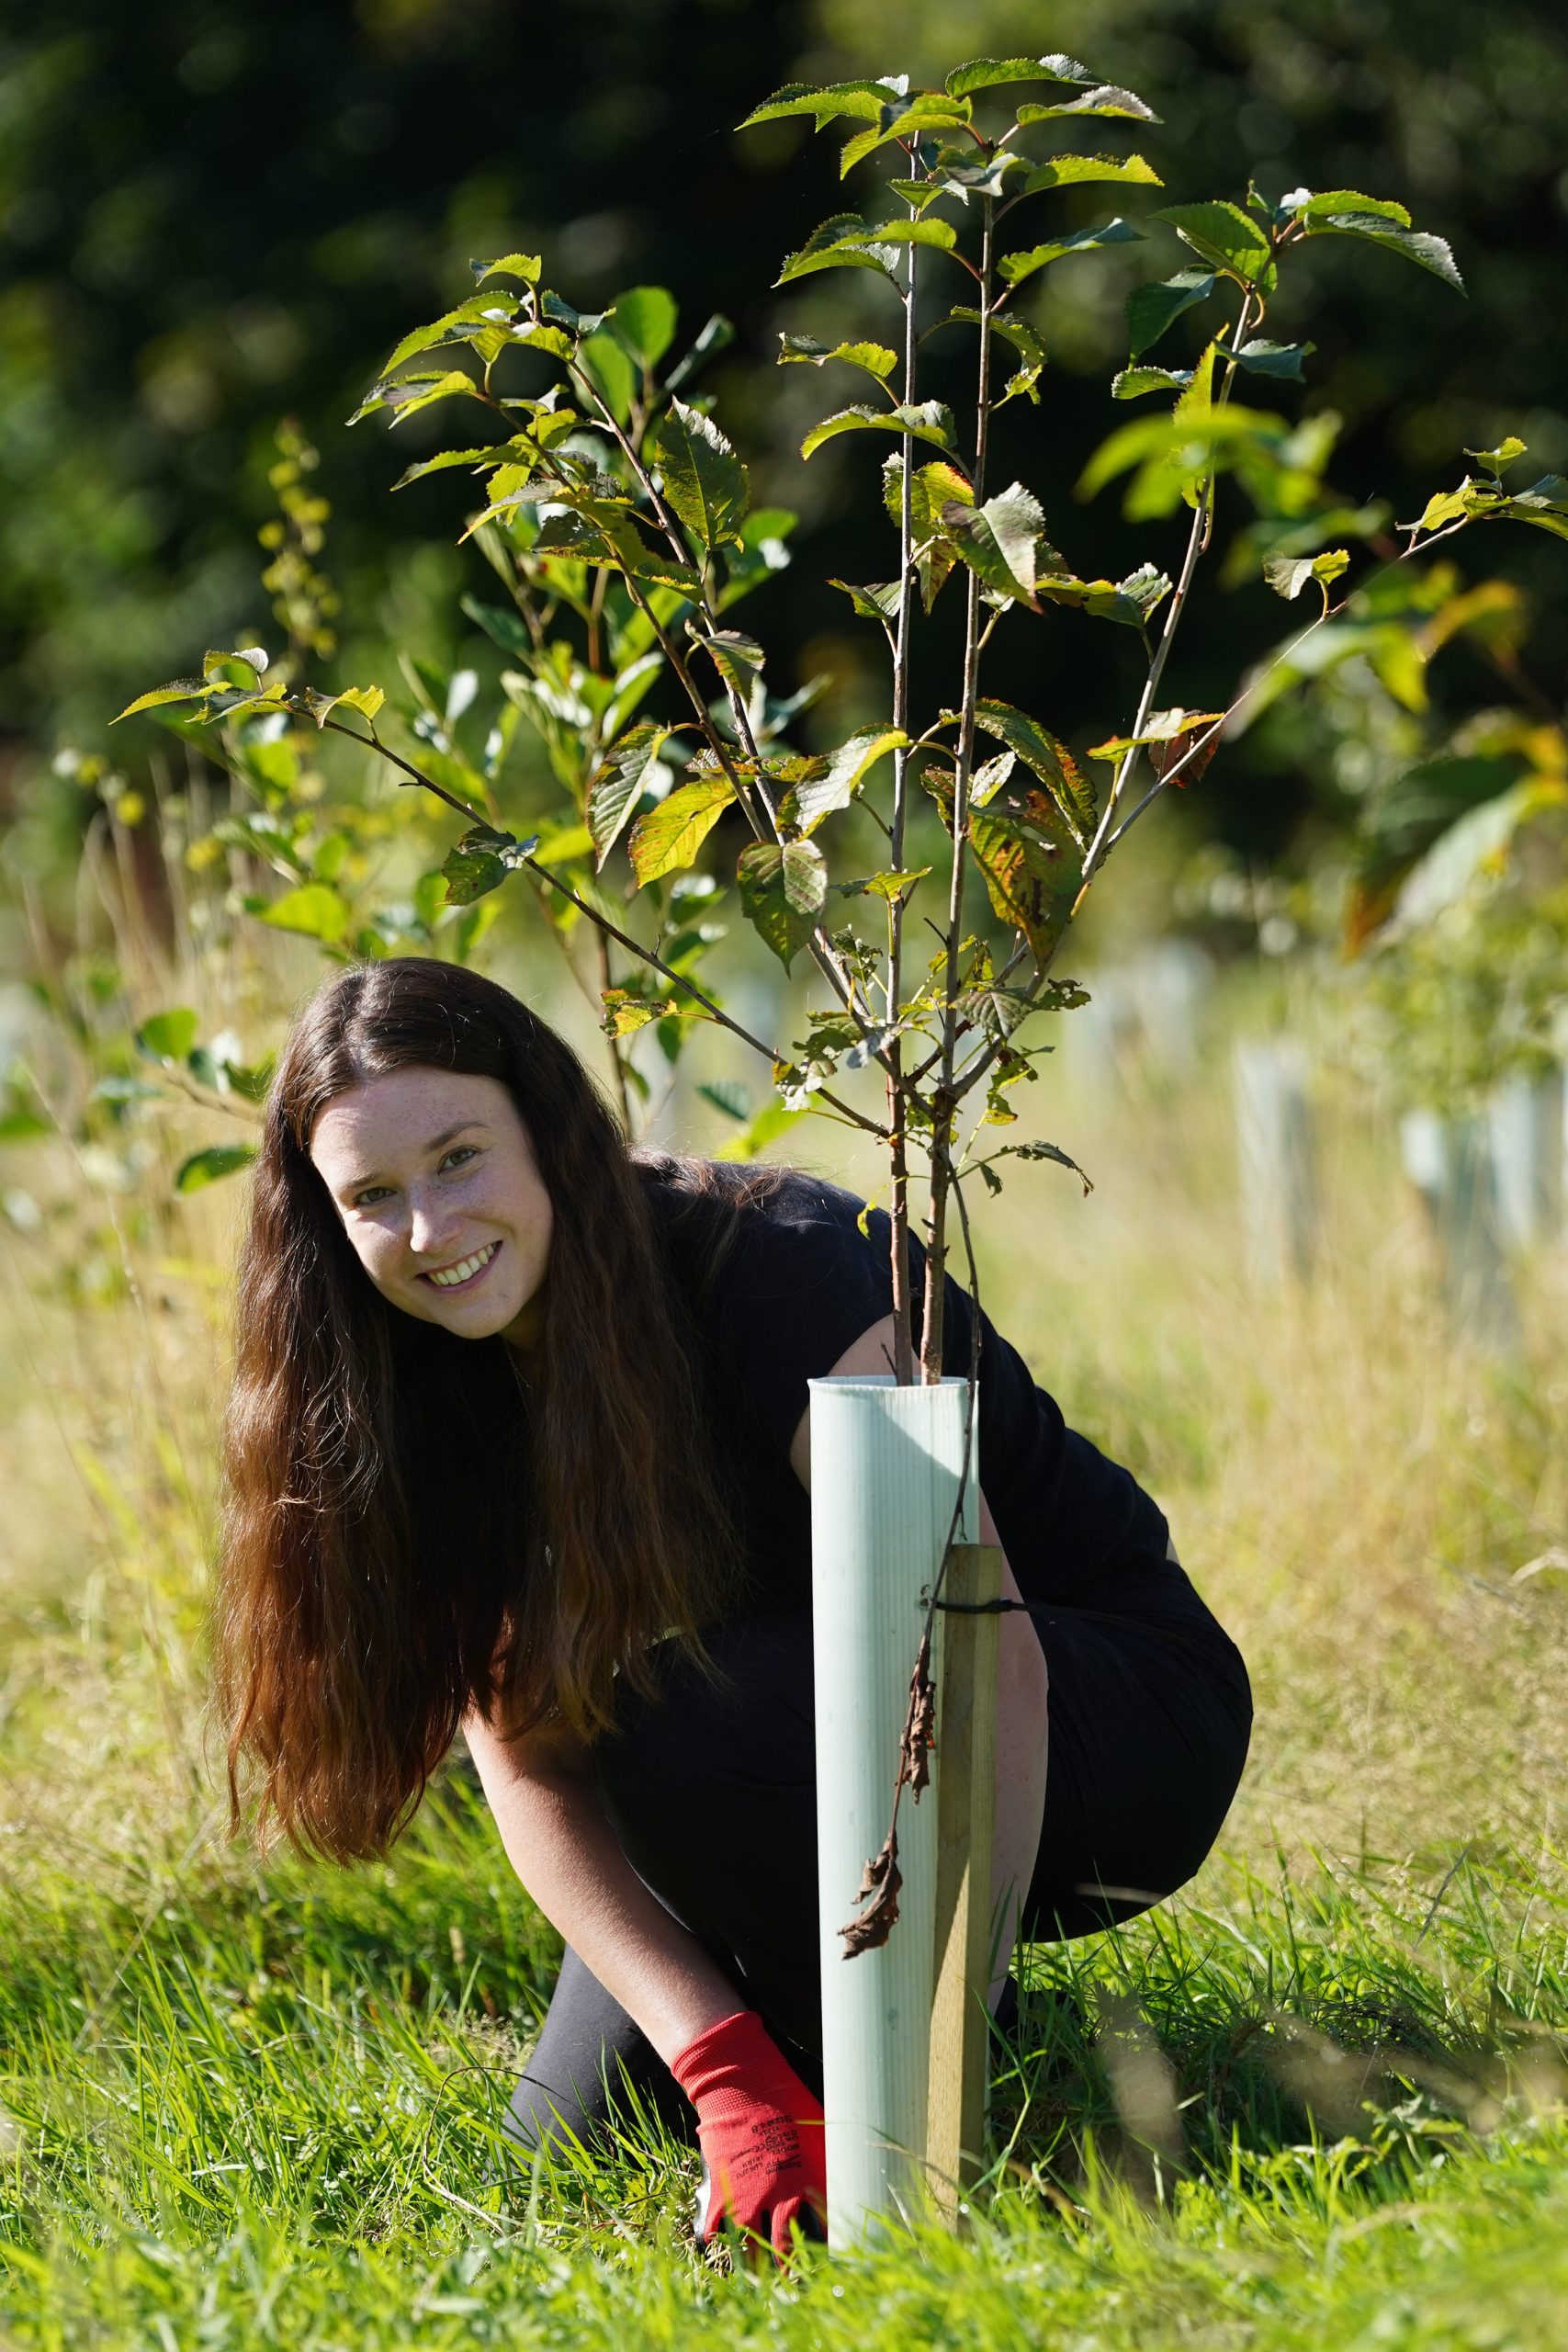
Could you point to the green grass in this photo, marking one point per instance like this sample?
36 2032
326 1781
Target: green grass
1318 2100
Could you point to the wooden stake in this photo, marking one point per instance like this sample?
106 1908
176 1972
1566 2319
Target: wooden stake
965 1790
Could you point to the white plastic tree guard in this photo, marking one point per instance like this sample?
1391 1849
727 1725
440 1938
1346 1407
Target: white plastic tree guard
1525 1124
1449 1161
1275 1153
886 1463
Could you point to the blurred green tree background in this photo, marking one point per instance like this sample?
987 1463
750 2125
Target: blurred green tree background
211 218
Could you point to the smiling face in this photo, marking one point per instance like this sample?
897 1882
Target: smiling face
434 1177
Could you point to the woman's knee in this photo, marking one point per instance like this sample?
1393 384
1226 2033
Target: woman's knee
730 1729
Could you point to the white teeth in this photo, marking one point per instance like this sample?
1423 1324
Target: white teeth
449 1276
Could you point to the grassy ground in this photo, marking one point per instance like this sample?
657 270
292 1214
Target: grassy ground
1318 2100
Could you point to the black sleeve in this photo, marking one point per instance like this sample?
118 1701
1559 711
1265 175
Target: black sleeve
802 1283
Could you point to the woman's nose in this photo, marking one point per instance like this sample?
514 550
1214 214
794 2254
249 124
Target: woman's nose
429 1226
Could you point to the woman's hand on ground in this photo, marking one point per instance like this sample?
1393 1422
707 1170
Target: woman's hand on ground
760 2131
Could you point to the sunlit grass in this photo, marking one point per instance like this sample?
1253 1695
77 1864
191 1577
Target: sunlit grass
1319 2099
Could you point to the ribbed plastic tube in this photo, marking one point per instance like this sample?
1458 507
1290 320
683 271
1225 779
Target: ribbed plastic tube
885 1473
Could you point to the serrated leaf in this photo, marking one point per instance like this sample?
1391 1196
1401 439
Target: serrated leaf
313 909
1082 171
1161 726
630 768
537 334
1227 237
523 266
1495 460
1049 1151
998 540
1434 253
1133 381
1152 309
926 421
207 1167
784 889
847 769
1016 268
879 602
926 112
842 242
667 840
1288 575
989 777
479 862
1025 341
861 101
451 457
1030 864
178 690
169 1036
704 482
1343 199
251 656
624 1013
480 310
990 73
1050 761
1104 98
933 488
366 699
1283 360
882 885
873 359
737 657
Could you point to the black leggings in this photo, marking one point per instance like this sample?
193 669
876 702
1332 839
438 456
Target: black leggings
713 1795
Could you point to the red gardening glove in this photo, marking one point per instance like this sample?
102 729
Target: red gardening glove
760 2131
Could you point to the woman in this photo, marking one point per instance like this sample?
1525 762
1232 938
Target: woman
519 1443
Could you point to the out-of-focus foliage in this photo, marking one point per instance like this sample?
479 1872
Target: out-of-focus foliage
210 219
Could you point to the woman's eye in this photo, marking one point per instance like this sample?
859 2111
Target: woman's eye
458 1155
371 1194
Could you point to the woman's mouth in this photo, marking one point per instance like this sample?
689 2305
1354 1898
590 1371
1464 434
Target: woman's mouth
466 1272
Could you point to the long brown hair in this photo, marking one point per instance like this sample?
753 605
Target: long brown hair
411 1525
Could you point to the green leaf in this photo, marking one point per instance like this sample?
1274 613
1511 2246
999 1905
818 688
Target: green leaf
1030 864
314 909
704 482
475 865
604 360
989 72
886 885
1161 726
624 1013
537 335
927 421
932 489
726 1095
716 335
168 1036
848 767
999 539
1132 381
1048 1151
480 310
643 319
1152 309
1105 98
1545 504
1225 236
1050 760
630 768
180 690
1173 453
862 101
250 657
737 657
1080 171
1288 575
475 458
1016 268
1374 228
1343 199
878 601
668 839
784 889
523 266
206 1167
1504 455
1025 341
505 627
927 111
841 242
412 393
366 699
873 359
1278 360
939 234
